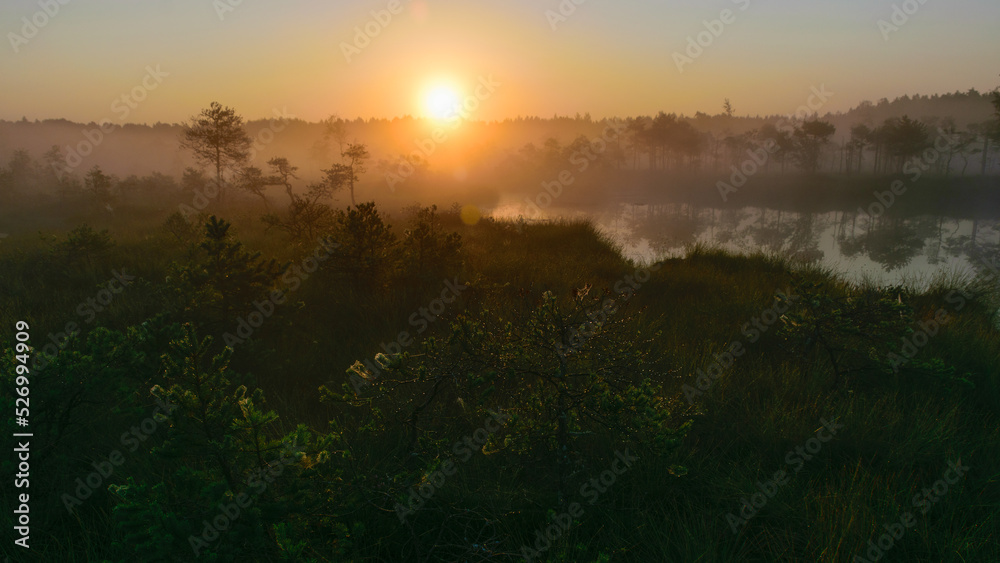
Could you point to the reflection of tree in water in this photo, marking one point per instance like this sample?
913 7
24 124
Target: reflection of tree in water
803 245
847 238
728 222
935 245
981 247
672 226
957 245
792 235
767 233
987 259
891 242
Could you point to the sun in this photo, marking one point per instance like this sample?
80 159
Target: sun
442 102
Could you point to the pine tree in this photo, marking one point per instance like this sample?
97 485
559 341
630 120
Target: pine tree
225 280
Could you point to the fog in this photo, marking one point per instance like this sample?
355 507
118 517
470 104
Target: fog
547 168
486 161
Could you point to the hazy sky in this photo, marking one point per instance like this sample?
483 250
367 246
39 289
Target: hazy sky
607 57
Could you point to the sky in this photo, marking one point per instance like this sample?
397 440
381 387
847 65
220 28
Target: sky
389 58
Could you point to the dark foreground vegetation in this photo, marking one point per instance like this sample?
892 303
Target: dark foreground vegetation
446 389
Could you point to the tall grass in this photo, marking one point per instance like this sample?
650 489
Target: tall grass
899 432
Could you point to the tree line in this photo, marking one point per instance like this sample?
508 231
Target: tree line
671 143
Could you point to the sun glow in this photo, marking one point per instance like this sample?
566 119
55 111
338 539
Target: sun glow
442 102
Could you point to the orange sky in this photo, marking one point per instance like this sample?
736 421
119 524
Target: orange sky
605 58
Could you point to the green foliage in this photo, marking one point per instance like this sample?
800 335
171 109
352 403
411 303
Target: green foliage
578 377
150 521
184 231
367 254
937 370
853 328
219 453
84 245
567 379
66 386
223 279
213 414
429 252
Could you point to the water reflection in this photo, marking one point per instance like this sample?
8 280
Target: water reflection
887 250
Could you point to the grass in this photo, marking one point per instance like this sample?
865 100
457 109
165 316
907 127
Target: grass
899 431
